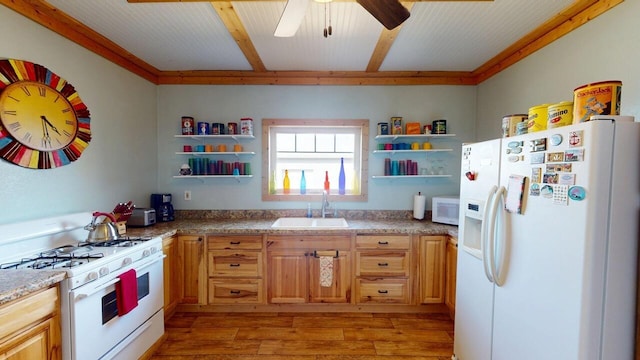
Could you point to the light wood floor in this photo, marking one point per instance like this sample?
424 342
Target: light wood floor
307 336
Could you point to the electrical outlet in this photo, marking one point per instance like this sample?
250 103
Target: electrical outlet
187 195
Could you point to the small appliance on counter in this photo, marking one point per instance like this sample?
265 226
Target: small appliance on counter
161 203
445 209
142 217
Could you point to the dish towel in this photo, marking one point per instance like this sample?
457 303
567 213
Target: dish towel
326 271
127 292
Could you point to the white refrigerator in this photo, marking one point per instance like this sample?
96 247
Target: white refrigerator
548 237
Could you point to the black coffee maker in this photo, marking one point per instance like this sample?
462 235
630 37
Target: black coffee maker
162 204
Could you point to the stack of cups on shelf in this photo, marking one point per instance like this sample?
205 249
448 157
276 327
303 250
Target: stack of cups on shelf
400 167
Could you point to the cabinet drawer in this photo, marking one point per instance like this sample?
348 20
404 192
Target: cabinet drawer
250 242
241 291
382 291
382 263
227 263
383 242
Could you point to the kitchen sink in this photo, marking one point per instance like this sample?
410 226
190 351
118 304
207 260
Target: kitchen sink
309 223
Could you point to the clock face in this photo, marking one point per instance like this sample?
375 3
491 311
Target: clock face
43 122
38 116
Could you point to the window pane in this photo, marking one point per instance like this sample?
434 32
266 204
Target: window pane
325 143
305 142
285 142
345 143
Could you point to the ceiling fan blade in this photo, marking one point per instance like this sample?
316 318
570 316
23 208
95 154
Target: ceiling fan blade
291 18
389 13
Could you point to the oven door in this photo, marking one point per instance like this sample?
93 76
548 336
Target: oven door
96 327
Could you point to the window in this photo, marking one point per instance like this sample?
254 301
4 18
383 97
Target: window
316 147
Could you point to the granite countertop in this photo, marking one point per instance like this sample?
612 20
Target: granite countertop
263 226
17 283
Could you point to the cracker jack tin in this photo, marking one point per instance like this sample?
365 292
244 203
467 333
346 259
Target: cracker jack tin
601 98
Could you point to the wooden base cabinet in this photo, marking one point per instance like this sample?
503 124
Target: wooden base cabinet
171 275
294 269
234 269
30 327
432 269
192 269
451 269
383 269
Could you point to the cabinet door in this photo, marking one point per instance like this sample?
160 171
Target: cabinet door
171 275
192 269
287 281
432 261
36 343
340 269
450 282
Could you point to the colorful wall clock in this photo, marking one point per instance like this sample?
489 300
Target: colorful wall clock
43 122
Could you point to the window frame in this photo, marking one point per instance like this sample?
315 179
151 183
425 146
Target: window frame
267 124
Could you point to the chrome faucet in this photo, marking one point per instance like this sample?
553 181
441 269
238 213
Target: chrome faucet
325 204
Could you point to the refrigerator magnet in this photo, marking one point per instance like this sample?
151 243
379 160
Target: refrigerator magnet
546 191
574 155
556 139
534 190
577 193
575 138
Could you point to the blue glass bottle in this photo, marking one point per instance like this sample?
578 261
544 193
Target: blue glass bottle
303 184
341 179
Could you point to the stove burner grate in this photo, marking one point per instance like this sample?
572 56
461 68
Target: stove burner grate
52 259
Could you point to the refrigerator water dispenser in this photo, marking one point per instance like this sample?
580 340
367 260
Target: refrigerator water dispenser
472 225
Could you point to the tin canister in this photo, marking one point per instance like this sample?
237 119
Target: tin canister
439 127
396 125
203 128
522 128
601 98
217 128
232 128
383 128
537 120
246 126
187 125
509 123
560 114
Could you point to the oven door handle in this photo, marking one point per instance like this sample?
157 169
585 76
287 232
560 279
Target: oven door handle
139 266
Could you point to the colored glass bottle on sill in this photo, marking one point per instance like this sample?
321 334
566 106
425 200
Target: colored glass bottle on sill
303 184
342 179
286 186
326 182
272 183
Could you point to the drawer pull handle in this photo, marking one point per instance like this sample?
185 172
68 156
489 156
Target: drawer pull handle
383 291
234 265
317 255
235 292
234 242
383 264
383 243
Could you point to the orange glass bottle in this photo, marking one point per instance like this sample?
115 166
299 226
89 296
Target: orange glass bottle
326 181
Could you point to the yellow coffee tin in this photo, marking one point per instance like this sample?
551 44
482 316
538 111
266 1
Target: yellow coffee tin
560 114
601 98
537 120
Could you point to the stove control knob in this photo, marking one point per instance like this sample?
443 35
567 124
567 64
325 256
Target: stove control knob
104 271
126 261
154 250
146 253
92 276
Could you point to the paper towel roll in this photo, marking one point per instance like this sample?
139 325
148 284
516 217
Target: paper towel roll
419 202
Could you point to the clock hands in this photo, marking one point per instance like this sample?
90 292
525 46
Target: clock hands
46 139
50 124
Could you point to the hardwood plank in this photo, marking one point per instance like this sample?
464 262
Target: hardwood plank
346 322
242 321
274 333
280 347
397 335
204 347
385 357
415 348
439 323
206 334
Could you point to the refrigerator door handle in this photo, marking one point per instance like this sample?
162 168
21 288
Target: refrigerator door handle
483 233
492 238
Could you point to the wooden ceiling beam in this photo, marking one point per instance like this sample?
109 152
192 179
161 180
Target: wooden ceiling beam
386 39
232 22
59 22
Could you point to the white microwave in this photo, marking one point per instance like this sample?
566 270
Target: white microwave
445 209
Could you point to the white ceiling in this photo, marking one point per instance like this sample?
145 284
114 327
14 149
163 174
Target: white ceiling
439 36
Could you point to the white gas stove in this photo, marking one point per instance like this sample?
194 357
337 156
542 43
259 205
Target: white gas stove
89 302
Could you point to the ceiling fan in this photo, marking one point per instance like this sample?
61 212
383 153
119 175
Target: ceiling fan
390 13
